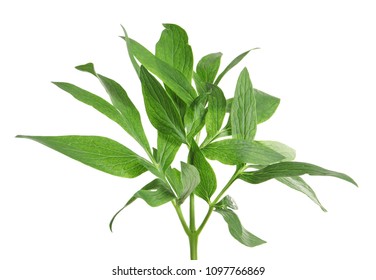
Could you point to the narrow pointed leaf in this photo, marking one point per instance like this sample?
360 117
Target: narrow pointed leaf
236 151
155 193
207 67
237 230
96 102
290 169
174 49
200 85
173 78
231 65
121 101
300 185
243 110
190 179
160 109
130 54
194 119
167 146
216 112
98 152
208 181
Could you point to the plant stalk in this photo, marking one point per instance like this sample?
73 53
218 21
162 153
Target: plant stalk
193 242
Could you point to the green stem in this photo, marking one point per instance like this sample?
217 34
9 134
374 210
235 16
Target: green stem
192 217
193 242
239 170
181 217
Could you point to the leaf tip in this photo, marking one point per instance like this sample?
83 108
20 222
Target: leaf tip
88 67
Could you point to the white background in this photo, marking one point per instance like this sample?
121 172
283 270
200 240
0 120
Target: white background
317 56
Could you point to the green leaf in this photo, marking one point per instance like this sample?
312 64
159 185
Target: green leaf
237 151
174 177
190 179
98 152
237 230
287 152
120 99
194 118
130 54
300 185
227 202
96 102
160 109
173 78
167 146
232 64
208 181
243 110
216 112
266 105
200 85
155 193
207 67
173 48
290 169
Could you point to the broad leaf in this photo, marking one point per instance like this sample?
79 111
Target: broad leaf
290 169
160 109
237 230
173 78
236 151
98 152
173 48
121 101
207 67
266 105
232 64
174 177
300 185
190 179
208 181
216 112
155 193
167 147
243 110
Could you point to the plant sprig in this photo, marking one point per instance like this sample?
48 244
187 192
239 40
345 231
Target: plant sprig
200 118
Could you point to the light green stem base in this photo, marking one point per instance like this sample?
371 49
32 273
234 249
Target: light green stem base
193 242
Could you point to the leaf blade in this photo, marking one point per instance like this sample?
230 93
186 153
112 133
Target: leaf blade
237 151
98 152
290 169
173 78
237 230
190 178
243 110
160 109
216 112
207 67
121 101
208 180
174 49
